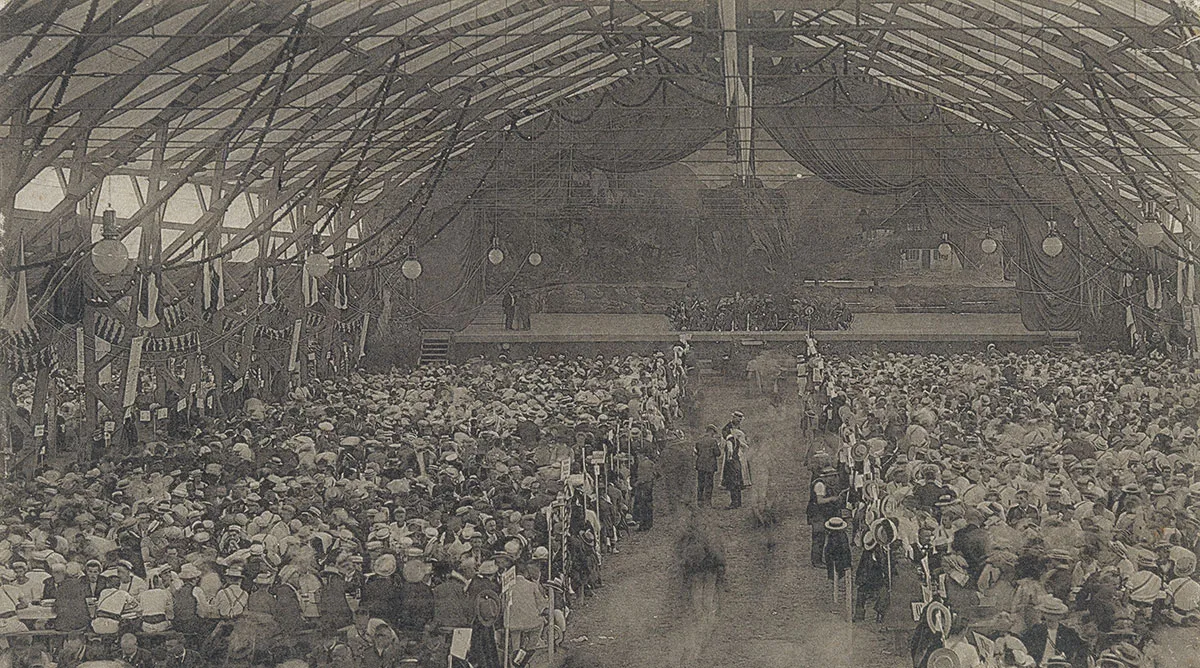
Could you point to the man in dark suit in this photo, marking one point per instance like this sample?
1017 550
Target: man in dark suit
510 307
708 453
1050 639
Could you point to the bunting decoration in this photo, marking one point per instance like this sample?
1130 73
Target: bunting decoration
30 361
270 333
109 328
17 321
174 315
314 320
213 283
147 299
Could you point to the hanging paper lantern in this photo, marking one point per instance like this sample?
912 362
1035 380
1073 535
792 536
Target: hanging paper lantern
495 255
110 257
1052 245
317 265
988 245
1150 234
535 258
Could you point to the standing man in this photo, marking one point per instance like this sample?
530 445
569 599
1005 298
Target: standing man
510 307
643 490
708 453
735 422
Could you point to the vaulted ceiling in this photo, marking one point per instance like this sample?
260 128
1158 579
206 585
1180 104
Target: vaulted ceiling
346 98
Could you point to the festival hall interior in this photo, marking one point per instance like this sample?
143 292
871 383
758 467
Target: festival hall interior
599 333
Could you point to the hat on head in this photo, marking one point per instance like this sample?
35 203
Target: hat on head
836 524
1050 605
1144 587
188 572
385 565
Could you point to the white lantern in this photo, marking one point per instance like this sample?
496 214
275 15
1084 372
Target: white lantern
1150 234
535 258
317 265
495 255
988 245
110 257
1052 245
944 249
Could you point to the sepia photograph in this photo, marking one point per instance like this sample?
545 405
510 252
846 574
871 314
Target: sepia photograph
599 333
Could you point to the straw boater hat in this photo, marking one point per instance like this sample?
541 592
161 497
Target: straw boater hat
836 524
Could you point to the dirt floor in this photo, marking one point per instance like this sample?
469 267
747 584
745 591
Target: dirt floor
774 608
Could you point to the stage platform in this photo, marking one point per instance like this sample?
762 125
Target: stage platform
867 327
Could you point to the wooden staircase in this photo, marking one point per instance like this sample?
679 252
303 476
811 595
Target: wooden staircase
435 346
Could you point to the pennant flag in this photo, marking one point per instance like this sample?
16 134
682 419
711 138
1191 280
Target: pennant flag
213 283
341 293
147 314
17 321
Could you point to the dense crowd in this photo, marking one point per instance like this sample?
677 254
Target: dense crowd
759 313
1039 509
359 523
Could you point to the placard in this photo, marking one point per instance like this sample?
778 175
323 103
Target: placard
162 413
460 643
181 406
109 426
209 401
507 579
39 430
144 416
237 384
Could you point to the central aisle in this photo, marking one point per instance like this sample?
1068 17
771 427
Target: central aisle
776 610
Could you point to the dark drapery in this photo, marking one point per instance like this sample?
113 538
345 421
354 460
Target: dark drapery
1049 287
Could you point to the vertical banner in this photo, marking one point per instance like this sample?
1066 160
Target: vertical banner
294 359
131 375
147 313
80 375
361 350
102 348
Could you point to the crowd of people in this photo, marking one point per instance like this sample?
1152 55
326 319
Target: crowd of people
760 313
1035 509
374 520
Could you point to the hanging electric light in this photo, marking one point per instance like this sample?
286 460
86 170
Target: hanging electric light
944 248
988 245
317 265
535 257
495 255
109 255
1052 245
411 268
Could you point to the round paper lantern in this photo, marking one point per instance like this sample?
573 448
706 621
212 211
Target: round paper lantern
495 256
1052 245
317 265
988 245
944 249
1150 234
535 258
110 257
411 268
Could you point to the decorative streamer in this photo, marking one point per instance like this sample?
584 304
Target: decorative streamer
213 283
17 321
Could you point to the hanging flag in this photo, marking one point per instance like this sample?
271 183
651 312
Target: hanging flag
266 285
1150 296
147 314
362 337
17 321
311 287
294 356
134 370
341 293
266 280
213 283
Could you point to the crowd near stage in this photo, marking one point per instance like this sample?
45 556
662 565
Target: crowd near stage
599 334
